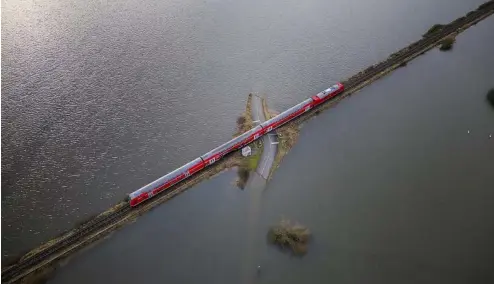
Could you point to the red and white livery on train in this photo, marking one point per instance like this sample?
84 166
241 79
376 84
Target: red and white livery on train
237 143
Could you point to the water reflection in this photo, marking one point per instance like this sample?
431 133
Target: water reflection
390 183
99 97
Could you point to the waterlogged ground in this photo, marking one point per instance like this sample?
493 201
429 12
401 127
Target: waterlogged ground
100 98
395 184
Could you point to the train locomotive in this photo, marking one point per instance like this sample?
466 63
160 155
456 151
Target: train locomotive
196 165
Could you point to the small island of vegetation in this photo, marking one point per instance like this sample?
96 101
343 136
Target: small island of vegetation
447 43
286 235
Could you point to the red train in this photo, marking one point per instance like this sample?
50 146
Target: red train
216 154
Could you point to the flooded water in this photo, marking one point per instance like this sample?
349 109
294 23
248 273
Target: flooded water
395 184
99 98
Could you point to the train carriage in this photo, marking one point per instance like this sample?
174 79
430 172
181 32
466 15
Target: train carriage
217 153
254 134
327 94
287 115
214 155
166 181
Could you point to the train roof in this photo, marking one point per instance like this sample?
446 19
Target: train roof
329 90
164 179
231 142
286 112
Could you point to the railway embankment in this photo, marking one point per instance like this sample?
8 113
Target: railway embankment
431 39
37 260
37 264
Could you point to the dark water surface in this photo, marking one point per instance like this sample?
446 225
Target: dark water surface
390 182
99 98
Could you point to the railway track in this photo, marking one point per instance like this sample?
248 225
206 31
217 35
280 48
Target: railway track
418 46
32 263
428 42
11 273
46 256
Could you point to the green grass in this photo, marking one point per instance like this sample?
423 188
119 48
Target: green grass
434 29
249 164
253 160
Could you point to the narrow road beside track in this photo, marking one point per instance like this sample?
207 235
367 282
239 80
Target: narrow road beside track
270 141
